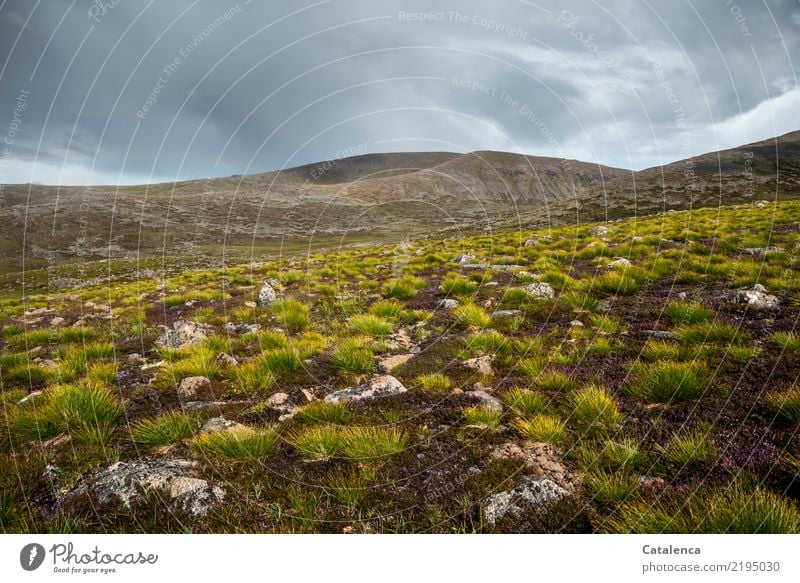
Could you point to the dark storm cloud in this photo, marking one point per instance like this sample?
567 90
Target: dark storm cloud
138 90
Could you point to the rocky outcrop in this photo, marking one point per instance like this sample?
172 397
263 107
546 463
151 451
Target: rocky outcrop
126 482
377 388
539 290
531 493
756 297
267 295
182 334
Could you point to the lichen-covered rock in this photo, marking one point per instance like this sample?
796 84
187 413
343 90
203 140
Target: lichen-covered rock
761 251
756 297
376 388
539 290
482 364
124 482
535 493
531 242
463 258
448 303
388 363
182 334
486 400
267 295
619 262
190 386
506 313
542 459
216 424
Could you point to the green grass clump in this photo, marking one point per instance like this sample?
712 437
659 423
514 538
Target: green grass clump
238 443
623 453
198 362
67 409
690 447
659 350
605 324
322 412
483 417
671 382
714 333
615 283
455 285
555 381
688 313
544 428
369 325
610 487
403 288
489 341
280 362
524 402
352 356
434 382
318 442
788 341
291 314
581 302
252 379
165 429
367 444
388 309
594 407
786 404
733 510
472 315
531 367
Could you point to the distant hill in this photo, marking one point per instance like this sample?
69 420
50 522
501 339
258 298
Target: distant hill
370 197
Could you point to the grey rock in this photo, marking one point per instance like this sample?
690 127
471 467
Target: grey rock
376 388
483 364
487 400
619 262
448 303
183 333
761 251
659 334
539 290
388 363
267 295
127 481
531 242
216 424
190 386
226 359
757 297
505 313
535 493
463 258
506 266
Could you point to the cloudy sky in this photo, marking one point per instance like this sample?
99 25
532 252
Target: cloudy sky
131 91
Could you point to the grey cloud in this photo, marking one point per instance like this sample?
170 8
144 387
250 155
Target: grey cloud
184 89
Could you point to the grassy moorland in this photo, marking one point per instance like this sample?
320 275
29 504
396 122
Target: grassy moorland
620 363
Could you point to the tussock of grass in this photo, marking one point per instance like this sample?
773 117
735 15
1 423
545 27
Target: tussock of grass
353 357
165 429
610 487
615 283
318 442
735 510
472 315
555 381
388 309
66 409
688 313
531 367
483 417
544 428
788 341
368 444
241 443
671 382
715 333
690 447
455 285
434 382
489 342
786 404
369 325
594 407
291 314
252 379
524 402
280 362
322 412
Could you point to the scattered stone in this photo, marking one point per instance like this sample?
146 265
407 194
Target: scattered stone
576 324
619 262
487 400
267 295
535 493
400 340
541 458
756 297
216 424
190 386
506 266
539 290
376 388
57 321
761 251
309 394
148 366
127 481
661 334
57 440
761 204
483 364
183 333
389 363
457 391
531 242
448 303
232 328
28 397
136 358
463 258
505 313
682 296
278 400
226 359
601 231
650 481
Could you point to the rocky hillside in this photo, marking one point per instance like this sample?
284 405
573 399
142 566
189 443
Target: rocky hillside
626 376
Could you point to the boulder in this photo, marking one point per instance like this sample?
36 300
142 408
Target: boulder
125 482
531 493
756 297
483 364
448 303
376 388
539 290
182 334
267 295
190 386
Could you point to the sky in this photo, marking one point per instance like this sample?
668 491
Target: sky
137 91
